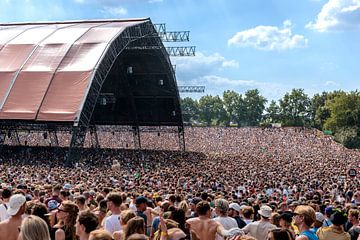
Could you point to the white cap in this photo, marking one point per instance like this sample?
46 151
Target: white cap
234 206
265 211
319 217
15 203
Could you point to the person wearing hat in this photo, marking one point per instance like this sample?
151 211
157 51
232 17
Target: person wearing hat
328 212
141 205
336 230
234 211
260 229
304 217
221 210
9 227
319 220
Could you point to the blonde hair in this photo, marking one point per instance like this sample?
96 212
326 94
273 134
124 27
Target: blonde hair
184 206
34 228
100 235
308 213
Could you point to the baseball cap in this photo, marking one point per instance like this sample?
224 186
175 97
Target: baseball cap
319 217
15 203
235 206
140 200
53 204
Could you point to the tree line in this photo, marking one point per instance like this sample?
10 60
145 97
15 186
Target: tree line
336 112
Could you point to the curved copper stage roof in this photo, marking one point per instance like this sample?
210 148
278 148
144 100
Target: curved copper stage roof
46 69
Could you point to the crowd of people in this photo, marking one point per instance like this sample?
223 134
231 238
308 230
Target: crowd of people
231 183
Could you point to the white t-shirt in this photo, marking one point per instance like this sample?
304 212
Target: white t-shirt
259 229
227 223
3 212
112 223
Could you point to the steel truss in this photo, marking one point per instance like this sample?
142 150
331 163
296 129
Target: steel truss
175 36
191 89
181 51
129 35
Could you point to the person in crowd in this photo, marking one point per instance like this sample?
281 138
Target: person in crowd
203 227
100 234
260 229
234 211
5 196
55 195
319 220
80 201
125 216
112 223
353 218
134 225
86 223
247 212
33 228
336 229
9 227
221 210
66 214
304 217
280 234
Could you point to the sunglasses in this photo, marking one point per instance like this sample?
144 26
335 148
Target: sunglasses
61 210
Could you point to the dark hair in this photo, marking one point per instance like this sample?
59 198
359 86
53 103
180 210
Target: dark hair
40 209
179 216
338 218
202 208
115 198
282 234
81 199
89 220
6 193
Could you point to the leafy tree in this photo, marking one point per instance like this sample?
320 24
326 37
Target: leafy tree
255 106
231 102
294 108
189 109
273 112
211 109
344 118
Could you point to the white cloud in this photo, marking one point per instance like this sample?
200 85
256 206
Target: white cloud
155 1
332 83
192 67
337 15
269 38
231 63
115 11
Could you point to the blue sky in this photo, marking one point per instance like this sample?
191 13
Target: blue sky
272 45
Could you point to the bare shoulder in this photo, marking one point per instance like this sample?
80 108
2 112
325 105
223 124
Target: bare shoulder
59 234
302 237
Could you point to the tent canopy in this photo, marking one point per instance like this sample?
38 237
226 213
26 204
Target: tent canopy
46 69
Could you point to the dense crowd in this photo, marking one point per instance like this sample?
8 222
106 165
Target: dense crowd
235 183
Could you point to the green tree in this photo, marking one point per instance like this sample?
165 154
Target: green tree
273 112
211 110
344 118
294 108
189 109
255 106
231 101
